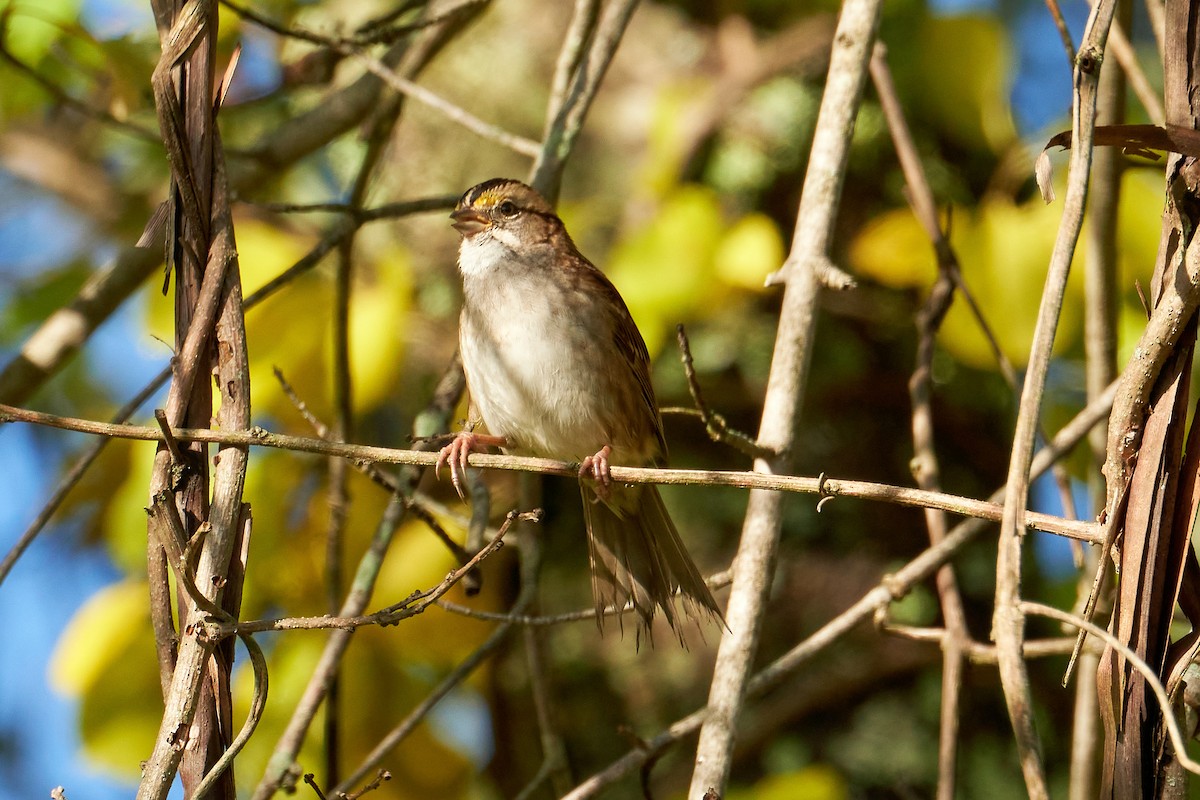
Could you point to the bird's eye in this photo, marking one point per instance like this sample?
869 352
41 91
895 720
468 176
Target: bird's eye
508 208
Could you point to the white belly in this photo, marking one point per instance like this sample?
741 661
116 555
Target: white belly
533 377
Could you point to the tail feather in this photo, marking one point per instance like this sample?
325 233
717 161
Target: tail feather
637 556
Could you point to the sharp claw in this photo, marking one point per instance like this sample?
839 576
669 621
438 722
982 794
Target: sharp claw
458 471
597 465
454 456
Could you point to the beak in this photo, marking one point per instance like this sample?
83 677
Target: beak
468 221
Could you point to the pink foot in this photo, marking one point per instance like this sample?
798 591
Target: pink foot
597 467
457 452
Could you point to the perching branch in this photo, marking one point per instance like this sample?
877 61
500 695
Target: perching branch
823 486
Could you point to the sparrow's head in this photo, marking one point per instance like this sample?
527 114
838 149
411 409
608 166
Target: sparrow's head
504 209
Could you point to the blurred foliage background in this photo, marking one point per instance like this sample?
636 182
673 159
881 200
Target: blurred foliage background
684 188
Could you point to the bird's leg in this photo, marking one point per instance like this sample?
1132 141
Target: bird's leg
456 453
597 466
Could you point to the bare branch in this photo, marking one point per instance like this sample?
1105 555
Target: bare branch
565 116
1008 623
716 426
411 606
823 486
457 114
957 640
785 387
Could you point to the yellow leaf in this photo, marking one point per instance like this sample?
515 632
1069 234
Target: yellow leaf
101 659
813 782
750 250
378 318
894 249
1004 251
102 627
665 270
123 520
966 68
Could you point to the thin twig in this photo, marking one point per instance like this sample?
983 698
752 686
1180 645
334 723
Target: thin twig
382 126
823 486
554 753
1151 677
452 112
718 580
591 62
418 504
352 46
977 652
258 705
367 35
339 232
381 777
578 35
1064 33
169 530
62 96
66 330
445 397
73 476
957 640
310 780
1101 304
462 670
714 424
531 555
160 416
409 607
314 694
1122 50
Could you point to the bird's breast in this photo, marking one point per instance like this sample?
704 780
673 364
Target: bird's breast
534 360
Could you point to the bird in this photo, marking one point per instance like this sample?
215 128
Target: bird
557 368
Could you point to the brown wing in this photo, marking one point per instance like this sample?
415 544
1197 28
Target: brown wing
628 341
632 347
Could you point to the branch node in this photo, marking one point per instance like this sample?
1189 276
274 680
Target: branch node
896 588
826 490
178 464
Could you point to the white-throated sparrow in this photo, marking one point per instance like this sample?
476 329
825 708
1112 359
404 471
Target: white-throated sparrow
556 368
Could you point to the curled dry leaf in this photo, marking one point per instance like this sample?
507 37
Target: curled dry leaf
1135 140
1043 171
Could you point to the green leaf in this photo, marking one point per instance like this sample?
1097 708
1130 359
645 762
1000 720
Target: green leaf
33 28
